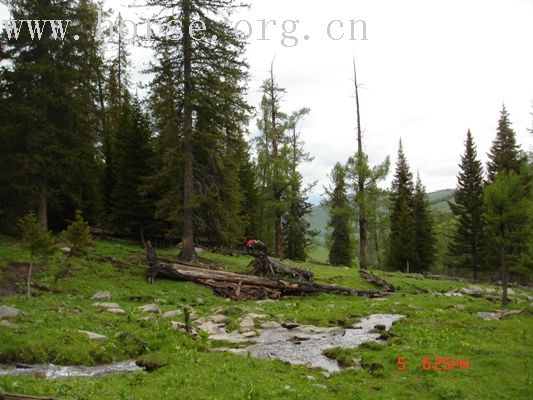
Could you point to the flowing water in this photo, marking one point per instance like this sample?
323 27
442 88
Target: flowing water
296 344
303 345
51 371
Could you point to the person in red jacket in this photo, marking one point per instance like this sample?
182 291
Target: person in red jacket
250 243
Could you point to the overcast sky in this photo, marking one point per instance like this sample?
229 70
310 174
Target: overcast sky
430 70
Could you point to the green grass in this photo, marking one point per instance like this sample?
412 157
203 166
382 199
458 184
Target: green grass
499 351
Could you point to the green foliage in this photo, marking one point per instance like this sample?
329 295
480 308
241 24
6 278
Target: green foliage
78 236
35 238
425 230
402 239
341 251
131 211
469 244
369 204
509 213
49 116
283 205
504 155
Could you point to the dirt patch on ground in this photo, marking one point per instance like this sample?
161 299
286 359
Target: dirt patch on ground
14 276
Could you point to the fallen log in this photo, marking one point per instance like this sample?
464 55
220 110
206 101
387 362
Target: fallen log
376 280
243 286
13 396
266 266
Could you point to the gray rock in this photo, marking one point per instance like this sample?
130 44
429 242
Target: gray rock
172 314
6 324
9 312
218 319
233 337
93 336
116 311
150 308
101 296
459 307
239 352
271 325
249 334
473 291
246 323
199 301
211 328
106 305
257 316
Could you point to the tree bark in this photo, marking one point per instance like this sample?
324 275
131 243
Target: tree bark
13 396
503 265
360 180
187 250
242 282
278 245
28 282
43 204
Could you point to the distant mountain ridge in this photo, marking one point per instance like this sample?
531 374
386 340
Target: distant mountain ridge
319 215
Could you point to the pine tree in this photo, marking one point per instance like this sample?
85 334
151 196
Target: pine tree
469 241
403 253
341 250
131 211
78 236
425 232
38 241
202 115
504 155
51 130
509 205
273 164
297 233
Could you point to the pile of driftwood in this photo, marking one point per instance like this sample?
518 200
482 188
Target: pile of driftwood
274 279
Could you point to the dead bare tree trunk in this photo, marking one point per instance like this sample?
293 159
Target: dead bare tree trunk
43 204
278 245
28 281
360 180
187 246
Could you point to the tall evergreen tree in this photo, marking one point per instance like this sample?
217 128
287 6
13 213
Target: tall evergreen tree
132 211
296 228
402 243
205 103
469 241
273 164
504 155
424 224
509 205
49 139
341 251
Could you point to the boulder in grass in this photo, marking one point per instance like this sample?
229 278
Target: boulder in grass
172 314
93 336
116 311
9 312
150 308
106 305
103 295
6 324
